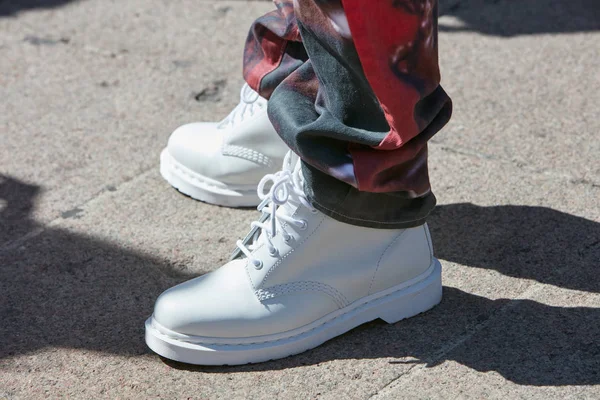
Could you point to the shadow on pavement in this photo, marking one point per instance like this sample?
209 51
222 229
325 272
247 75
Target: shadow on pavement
17 200
535 243
68 290
522 17
13 7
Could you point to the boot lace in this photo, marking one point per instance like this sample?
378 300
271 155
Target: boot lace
250 102
286 186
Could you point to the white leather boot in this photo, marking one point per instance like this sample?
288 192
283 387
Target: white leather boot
221 163
299 279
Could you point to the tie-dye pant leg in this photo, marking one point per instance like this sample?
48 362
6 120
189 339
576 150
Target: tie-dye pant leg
353 88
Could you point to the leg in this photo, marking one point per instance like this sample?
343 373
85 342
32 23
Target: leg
365 105
317 263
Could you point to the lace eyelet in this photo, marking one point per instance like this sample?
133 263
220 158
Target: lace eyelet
273 252
314 211
287 238
257 264
302 224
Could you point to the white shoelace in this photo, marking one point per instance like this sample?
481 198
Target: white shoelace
250 101
287 186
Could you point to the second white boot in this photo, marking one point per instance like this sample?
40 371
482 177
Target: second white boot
222 163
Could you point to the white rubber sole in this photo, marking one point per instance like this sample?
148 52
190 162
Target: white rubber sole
202 188
391 305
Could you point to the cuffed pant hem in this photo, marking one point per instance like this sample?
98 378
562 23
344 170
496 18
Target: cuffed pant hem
346 204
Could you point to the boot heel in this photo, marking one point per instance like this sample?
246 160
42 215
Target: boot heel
414 299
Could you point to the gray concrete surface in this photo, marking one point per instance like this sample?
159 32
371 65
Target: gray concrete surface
90 234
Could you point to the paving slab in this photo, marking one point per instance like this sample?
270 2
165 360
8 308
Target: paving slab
525 84
78 293
542 345
88 103
90 234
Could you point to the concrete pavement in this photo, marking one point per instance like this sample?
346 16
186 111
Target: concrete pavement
90 234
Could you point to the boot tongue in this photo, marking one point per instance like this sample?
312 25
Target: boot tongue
256 236
291 205
251 238
248 99
292 164
248 95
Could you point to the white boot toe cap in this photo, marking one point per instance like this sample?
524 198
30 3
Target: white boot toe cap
209 305
196 145
223 304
